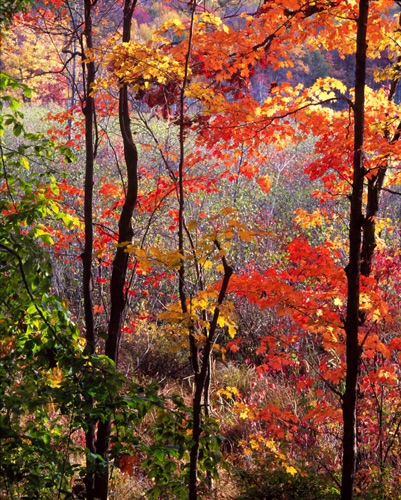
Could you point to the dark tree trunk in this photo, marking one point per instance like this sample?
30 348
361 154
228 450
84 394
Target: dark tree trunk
202 380
88 110
353 349
125 231
119 271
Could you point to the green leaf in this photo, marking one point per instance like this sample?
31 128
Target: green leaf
27 92
14 104
17 129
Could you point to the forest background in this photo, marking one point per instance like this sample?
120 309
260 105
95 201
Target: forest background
199 249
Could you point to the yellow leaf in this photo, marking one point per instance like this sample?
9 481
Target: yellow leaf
291 470
220 268
56 377
221 321
232 331
233 390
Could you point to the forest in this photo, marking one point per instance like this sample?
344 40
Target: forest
200 249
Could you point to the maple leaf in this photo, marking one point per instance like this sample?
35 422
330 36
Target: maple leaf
264 183
291 470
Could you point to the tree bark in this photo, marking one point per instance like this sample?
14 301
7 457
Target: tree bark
120 262
88 110
202 378
353 349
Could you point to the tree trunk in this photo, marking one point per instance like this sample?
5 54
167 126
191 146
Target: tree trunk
120 262
88 110
353 349
202 379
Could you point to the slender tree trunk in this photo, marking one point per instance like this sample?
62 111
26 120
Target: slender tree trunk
119 271
200 359
88 109
202 379
197 365
125 231
353 349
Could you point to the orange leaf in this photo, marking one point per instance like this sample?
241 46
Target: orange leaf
264 183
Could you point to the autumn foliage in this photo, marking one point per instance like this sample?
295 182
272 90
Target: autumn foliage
199 249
